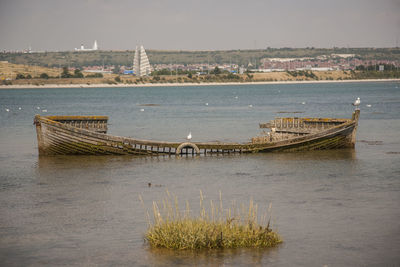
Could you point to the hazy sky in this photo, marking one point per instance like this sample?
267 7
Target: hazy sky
198 25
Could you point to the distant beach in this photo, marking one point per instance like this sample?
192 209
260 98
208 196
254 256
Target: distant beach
32 86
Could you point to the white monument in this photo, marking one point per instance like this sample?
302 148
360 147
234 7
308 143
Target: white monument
141 64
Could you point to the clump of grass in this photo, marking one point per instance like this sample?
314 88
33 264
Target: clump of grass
215 228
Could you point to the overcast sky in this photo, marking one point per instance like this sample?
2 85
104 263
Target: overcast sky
198 25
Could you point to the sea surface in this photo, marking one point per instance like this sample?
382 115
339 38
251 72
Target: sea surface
332 208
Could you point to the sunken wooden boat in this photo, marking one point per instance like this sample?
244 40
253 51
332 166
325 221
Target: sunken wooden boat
87 135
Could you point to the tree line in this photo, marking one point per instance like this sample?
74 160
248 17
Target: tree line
240 57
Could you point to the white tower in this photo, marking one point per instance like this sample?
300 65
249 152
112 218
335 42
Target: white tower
141 64
145 68
95 45
136 67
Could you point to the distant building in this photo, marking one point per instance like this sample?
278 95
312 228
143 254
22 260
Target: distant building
128 71
94 48
343 55
277 59
141 64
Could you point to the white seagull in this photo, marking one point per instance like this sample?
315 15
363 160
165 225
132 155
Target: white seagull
357 102
189 137
7 109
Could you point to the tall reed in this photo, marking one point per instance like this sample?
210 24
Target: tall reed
234 227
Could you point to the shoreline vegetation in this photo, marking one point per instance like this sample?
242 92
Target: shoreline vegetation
27 76
106 85
213 228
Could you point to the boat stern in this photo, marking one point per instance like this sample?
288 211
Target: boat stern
352 136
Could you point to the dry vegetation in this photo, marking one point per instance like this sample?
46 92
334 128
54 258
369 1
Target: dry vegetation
9 70
215 228
285 76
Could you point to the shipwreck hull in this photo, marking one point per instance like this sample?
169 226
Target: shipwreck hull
334 140
87 135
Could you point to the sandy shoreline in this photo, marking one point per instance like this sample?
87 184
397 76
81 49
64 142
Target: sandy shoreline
31 86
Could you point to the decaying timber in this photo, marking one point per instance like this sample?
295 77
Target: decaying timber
87 135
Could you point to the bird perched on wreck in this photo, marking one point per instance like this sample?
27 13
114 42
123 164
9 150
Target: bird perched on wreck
189 137
357 102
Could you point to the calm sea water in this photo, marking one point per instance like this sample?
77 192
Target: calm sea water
334 208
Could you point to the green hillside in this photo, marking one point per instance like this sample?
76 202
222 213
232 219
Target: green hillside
241 57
